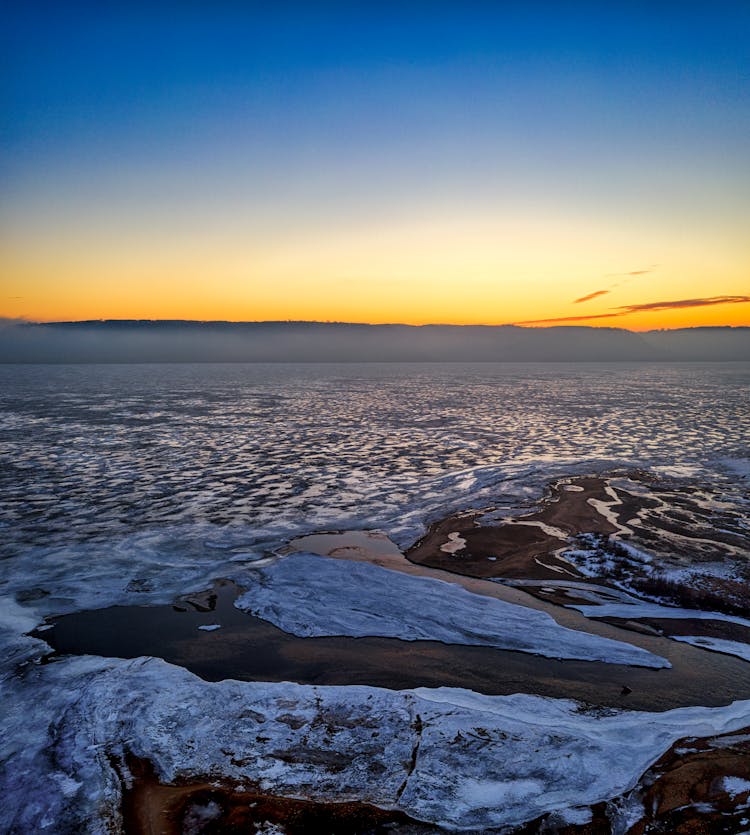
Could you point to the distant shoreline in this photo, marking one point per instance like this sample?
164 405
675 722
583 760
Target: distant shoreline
160 341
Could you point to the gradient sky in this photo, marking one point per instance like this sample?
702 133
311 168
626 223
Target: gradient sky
433 162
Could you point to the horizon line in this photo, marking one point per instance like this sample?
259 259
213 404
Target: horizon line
520 326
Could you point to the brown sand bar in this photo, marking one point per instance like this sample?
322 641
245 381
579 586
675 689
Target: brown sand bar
525 547
690 670
153 808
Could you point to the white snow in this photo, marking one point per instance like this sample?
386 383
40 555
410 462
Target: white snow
586 591
633 611
734 786
15 647
737 648
486 794
313 596
482 761
210 627
17 619
574 816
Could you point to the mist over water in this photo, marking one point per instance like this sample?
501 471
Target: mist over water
196 341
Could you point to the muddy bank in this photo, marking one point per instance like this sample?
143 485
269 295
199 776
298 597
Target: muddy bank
697 787
523 547
698 550
211 807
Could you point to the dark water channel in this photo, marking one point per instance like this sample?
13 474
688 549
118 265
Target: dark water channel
248 648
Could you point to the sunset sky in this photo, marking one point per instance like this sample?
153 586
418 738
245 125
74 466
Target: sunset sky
425 162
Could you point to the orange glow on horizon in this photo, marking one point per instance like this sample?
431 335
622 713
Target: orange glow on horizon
491 268
718 316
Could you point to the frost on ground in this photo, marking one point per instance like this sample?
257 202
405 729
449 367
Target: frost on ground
470 762
314 596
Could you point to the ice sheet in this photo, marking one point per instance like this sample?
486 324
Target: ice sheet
309 595
468 761
634 611
717 645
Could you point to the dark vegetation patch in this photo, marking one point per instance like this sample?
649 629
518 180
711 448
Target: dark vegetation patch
730 597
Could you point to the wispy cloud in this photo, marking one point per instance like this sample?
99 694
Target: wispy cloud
591 296
648 307
569 319
625 279
633 272
711 300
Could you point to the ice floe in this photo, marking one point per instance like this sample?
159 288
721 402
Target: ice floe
741 650
313 596
635 611
15 646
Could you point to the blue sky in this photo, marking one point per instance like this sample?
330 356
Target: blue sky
319 115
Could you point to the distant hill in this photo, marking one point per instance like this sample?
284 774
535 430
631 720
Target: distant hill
188 341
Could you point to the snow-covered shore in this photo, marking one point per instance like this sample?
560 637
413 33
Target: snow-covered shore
467 761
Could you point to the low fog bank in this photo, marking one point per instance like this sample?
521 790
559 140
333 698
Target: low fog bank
178 341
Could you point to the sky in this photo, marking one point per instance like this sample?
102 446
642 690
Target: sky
530 162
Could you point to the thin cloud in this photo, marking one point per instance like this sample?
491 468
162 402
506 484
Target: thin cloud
648 307
625 279
591 296
711 300
569 318
633 272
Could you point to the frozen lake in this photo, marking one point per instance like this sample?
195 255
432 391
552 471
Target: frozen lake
131 486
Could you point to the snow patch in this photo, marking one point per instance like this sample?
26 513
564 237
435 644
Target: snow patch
313 596
734 786
486 794
633 611
736 648
455 543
